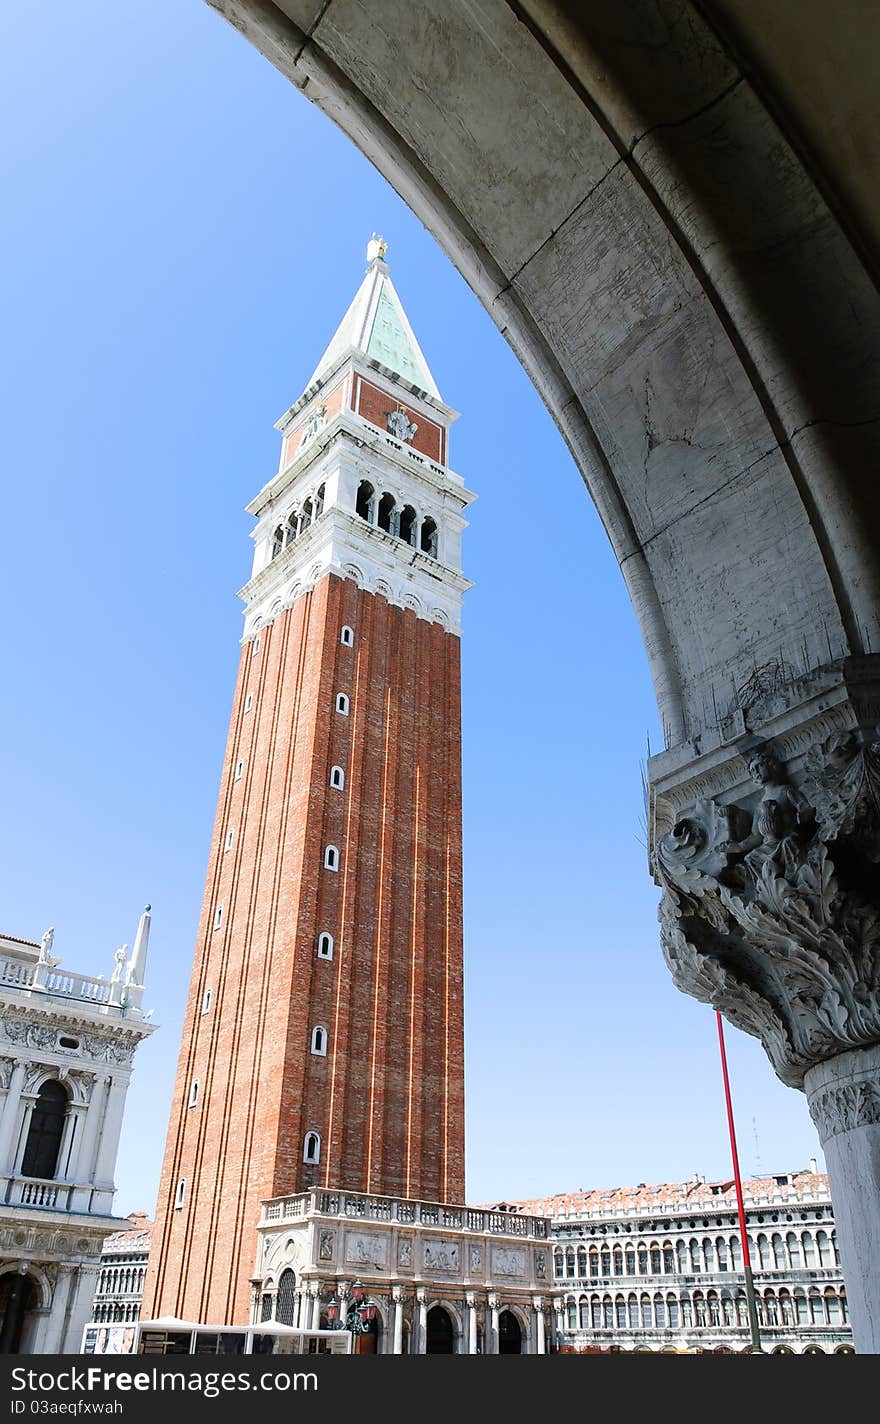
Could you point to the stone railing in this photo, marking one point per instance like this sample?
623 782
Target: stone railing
50 979
36 1192
19 973
407 1211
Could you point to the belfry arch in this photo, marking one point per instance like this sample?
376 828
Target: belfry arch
694 297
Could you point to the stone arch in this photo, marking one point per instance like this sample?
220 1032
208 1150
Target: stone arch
637 184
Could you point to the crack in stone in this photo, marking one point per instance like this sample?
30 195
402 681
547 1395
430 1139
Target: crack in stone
713 494
688 118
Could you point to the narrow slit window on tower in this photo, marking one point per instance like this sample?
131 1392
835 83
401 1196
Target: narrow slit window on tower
408 524
239 768
429 538
337 777
230 837
365 501
194 1092
180 1194
206 1000
346 637
312 1148
325 945
319 1041
342 703
249 702
256 647
218 917
331 858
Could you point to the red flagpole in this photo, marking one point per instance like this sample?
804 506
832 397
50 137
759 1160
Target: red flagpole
740 1204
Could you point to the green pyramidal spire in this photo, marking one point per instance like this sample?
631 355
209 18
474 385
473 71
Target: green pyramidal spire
376 325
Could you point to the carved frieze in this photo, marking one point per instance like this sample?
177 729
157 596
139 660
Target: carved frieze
441 1256
508 1261
366 1250
844 1107
771 910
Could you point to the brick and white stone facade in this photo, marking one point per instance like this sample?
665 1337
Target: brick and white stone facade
323 1039
67 1042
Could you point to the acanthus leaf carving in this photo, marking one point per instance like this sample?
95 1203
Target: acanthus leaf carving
767 914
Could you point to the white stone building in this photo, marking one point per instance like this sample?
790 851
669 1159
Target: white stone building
660 1267
67 1042
435 1279
123 1270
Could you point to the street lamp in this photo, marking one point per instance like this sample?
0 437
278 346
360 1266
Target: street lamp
359 1315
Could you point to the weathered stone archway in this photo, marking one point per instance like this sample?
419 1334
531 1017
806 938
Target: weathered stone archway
695 303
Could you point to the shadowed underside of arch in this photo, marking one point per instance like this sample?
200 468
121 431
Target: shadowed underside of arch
616 192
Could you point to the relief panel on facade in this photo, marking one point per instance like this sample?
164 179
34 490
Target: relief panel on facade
508 1261
441 1256
364 1250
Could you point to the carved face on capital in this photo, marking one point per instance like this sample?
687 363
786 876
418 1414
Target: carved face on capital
686 835
764 768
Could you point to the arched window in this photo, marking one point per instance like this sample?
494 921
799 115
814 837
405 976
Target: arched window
206 1001
817 1313
325 945
428 538
695 1257
239 769
681 1253
346 637
594 1261
786 1308
672 1312
721 1253
581 1261
306 516
285 1298
230 837
558 1264
605 1257
342 703
277 541
659 1312
571 1319
668 1259
45 1130
709 1254
385 518
569 1262
617 1261
823 1246
180 1194
319 501
763 1252
778 1251
647 1320
735 1253
312 1148
843 1311
633 1311
643 1260
365 504
331 858
319 1041
656 1259
337 777
218 917
408 524
620 1312
193 1092
291 528
583 1313
249 702
607 1313
596 1312
809 1250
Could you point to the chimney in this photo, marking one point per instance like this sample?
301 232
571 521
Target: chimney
813 1167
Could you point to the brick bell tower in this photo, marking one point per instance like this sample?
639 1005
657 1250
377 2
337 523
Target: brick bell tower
322 1044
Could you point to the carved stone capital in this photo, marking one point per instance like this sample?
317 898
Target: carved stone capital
771 894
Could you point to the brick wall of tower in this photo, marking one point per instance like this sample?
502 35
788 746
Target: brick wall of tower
387 1099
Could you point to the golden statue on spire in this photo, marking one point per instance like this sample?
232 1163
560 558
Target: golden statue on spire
376 247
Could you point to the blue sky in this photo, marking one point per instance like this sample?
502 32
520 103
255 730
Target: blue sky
182 233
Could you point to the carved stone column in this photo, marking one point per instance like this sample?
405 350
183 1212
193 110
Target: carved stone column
495 1311
422 1299
767 847
540 1342
397 1298
471 1302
